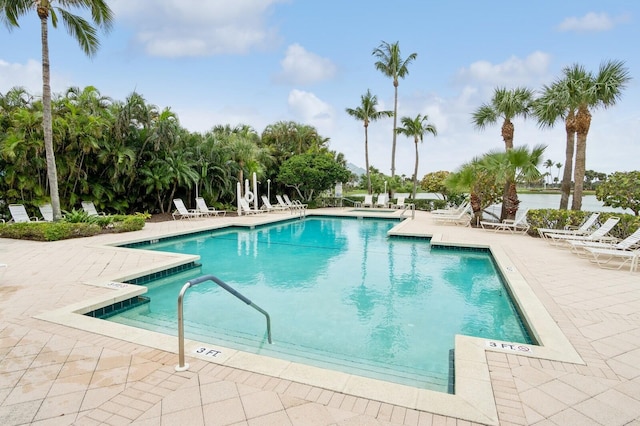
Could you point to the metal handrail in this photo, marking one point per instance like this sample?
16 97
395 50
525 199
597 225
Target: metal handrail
182 366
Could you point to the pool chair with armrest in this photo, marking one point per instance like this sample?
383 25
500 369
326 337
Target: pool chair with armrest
19 214
580 247
90 209
245 208
202 207
399 204
611 258
282 203
368 201
182 212
599 234
266 205
453 210
47 212
382 201
295 204
462 218
583 229
519 224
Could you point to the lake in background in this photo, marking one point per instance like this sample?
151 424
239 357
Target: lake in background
540 201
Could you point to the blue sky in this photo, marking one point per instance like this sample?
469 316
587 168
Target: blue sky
257 62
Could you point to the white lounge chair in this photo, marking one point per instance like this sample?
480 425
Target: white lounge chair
453 210
629 243
368 201
90 209
611 258
201 206
182 212
519 224
19 214
382 201
283 203
245 208
399 204
462 218
295 204
583 229
47 212
599 234
266 205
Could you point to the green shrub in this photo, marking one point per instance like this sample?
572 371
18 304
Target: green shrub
74 225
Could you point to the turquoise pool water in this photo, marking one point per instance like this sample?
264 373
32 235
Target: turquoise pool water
341 295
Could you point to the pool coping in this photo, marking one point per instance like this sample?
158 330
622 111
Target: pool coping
473 399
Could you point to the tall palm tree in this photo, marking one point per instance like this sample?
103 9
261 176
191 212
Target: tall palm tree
548 164
79 28
367 113
416 128
506 105
602 90
391 64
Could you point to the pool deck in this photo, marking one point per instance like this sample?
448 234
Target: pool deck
58 368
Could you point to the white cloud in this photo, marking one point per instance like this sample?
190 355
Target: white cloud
312 110
303 67
512 72
590 22
175 28
29 76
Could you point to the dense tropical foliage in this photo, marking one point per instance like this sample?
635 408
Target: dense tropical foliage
621 190
131 155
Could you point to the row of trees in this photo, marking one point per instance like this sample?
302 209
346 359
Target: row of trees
133 156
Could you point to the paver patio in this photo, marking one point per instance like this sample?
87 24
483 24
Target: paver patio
53 374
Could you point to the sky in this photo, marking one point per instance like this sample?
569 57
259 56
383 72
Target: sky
258 62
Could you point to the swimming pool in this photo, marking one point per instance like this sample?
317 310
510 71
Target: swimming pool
341 294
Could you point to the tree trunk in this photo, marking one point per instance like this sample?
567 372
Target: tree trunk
52 173
415 172
366 156
570 126
507 132
395 126
583 122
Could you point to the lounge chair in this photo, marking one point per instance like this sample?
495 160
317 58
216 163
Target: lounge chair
245 208
599 234
368 201
382 201
295 204
611 258
47 212
519 224
266 205
19 214
462 218
583 229
201 206
90 209
452 211
580 247
399 204
182 212
282 203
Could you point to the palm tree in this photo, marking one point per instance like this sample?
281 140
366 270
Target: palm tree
366 113
416 128
548 164
506 105
391 64
591 92
79 28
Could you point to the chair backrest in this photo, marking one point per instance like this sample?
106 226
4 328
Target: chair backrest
522 218
605 228
382 200
368 200
287 200
630 241
201 204
244 204
47 212
19 213
89 208
281 201
589 222
266 201
182 209
400 201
